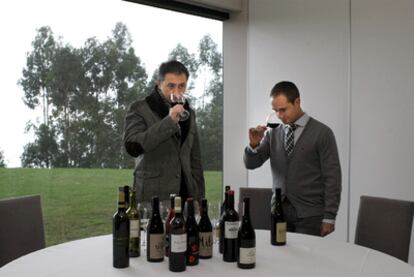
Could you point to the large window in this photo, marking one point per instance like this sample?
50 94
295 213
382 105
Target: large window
68 75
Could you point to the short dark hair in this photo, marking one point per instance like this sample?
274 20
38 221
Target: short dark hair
286 88
172 66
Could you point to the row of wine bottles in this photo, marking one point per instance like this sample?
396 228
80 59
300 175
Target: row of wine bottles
184 241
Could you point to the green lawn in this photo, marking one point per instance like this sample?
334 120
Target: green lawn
78 203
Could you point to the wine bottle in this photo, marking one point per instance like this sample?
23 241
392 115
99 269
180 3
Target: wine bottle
193 237
221 223
120 233
178 240
246 255
206 232
155 234
170 216
277 220
134 226
231 228
126 192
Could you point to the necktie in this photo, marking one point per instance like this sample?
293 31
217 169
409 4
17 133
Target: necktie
290 138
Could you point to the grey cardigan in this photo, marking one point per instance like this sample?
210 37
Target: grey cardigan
150 135
310 176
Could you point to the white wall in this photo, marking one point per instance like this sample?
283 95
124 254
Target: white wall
300 42
382 152
353 62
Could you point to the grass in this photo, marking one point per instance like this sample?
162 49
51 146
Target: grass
78 203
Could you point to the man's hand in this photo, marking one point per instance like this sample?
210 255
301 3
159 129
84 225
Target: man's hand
327 228
175 112
256 135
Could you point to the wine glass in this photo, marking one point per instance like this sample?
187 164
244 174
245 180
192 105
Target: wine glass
214 214
145 215
164 209
179 99
272 121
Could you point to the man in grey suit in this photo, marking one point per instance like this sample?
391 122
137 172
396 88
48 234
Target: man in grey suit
164 139
304 162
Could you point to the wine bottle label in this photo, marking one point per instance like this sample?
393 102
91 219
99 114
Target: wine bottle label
156 246
247 255
281 232
178 243
134 228
206 244
231 229
217 231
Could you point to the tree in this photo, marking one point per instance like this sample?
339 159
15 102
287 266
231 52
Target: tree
2 163
43 151
87 91
210 113
36 75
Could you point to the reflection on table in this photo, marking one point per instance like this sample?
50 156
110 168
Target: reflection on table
302 256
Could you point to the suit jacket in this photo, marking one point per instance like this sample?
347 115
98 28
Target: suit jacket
165 151
311 176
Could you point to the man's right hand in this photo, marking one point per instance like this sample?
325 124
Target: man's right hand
175 112
256 135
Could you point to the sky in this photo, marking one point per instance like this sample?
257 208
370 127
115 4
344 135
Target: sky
155 32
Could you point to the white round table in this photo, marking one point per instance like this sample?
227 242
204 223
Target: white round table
302 256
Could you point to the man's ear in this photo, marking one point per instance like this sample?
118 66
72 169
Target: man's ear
297 101
157 83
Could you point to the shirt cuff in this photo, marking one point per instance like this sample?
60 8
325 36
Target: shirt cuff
253 150
329 221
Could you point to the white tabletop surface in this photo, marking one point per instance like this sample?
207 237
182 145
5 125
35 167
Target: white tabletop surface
302 256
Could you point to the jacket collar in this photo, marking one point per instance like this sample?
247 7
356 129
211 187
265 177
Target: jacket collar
160 105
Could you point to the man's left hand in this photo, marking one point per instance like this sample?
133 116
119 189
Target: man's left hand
327 228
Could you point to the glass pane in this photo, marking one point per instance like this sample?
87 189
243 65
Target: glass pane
70 73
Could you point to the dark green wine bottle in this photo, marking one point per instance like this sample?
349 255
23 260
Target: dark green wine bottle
246 255
206 232
120 233
277 220
134 226
155 234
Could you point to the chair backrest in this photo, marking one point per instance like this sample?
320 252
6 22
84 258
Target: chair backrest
259 206
385 225
21 227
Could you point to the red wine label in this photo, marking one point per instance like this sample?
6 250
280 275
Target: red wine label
206 244
231 229
281 232
247 255
156 246
134 229
192 250
178 243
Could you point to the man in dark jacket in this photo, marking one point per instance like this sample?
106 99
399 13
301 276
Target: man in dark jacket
164 139
304 162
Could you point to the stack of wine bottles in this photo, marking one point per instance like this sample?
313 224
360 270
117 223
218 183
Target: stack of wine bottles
184 242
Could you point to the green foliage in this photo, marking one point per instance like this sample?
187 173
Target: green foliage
2 163
78 203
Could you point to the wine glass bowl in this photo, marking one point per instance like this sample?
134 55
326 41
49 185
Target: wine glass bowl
179 99
272 121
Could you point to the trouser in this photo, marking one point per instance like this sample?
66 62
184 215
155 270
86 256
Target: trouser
305 225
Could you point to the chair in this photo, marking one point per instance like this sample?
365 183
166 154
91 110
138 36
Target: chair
21 227
259 206
385 225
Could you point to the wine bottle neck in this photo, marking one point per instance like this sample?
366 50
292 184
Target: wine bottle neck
230 202
246 208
